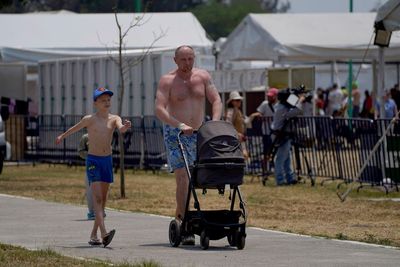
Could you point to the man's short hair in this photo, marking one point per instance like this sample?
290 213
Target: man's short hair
182 46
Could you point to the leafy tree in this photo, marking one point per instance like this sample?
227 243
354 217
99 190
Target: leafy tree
220 19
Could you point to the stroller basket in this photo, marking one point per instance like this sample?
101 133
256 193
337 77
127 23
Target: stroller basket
217 218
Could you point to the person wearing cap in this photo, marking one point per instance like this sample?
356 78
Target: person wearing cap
234 115
281 138
83 148
100 127
266 109
180 104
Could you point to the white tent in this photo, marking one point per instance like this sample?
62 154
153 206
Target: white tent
36 36
306 38
388 16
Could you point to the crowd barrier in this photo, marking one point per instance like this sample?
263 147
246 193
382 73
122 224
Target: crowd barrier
336 148
332 148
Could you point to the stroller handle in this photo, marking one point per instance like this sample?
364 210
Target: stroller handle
181 133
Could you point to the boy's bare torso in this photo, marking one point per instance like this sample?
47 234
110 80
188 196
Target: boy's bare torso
187 98
100 130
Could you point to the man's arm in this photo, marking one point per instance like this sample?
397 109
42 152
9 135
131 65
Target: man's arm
214 98
161 103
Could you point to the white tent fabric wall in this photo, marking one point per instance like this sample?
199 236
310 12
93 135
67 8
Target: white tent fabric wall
305 38
66 86
239 80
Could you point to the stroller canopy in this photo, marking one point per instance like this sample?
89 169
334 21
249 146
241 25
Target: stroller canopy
212 129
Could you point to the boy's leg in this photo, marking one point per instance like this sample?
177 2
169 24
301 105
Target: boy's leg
98 189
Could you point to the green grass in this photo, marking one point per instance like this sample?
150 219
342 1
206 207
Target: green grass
13 256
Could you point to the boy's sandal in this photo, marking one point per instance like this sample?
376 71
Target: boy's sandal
108 237
94 242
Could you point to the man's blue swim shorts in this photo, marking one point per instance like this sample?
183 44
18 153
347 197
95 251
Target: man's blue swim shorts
174 155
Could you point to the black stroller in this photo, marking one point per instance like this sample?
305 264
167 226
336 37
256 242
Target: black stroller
220 162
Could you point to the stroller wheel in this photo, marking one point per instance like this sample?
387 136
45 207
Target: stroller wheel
175 233
232 239
204 240
240 240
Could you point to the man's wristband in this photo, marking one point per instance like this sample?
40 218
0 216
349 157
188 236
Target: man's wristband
181 125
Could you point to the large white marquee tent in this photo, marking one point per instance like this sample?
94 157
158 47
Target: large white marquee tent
316 37
32 37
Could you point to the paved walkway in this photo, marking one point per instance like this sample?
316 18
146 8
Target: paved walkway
39 225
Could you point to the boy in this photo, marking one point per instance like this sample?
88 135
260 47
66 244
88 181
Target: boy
100 127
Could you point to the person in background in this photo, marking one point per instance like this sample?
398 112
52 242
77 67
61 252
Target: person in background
83 151
284 111
267 109
180 104
234 115
319 102
356 99
368 108
335 100
389 107
100 127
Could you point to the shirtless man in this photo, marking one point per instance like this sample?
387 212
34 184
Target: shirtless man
100 127
180 105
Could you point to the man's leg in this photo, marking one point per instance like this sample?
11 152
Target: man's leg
182 193
182 185
281 156
287 164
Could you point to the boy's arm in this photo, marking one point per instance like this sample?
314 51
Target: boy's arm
123 127
83 123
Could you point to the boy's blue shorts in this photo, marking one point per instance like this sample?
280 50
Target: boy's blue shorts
99 169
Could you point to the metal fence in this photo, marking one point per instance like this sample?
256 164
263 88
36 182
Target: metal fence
333 148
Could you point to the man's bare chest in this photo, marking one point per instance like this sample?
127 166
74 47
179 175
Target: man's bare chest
183 91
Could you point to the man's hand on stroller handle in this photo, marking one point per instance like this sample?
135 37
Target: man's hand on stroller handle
185 129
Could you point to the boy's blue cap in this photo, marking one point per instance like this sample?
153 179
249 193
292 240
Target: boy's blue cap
101 91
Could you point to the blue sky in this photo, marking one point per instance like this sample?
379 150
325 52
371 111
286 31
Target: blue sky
312 6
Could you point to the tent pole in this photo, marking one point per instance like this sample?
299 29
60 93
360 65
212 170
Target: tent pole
350 90
381 82
350 79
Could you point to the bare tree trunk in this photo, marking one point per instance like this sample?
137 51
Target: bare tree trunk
120 101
